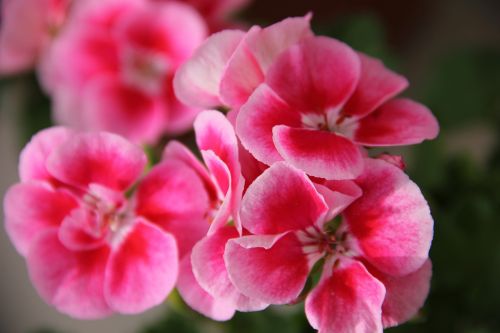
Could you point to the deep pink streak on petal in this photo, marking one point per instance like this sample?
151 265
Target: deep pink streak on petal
256 120
31 208
405 295
210 270
270 268
347 299
197 298
32 164
319 153
196 83
397 122
281 199
72 281
110 105
391 220
316 74
142 270
101 158
376 85
173 197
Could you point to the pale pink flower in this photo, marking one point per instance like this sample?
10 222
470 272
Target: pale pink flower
311 101
26 28
92 248
112 67
375 269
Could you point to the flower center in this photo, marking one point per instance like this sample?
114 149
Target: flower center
332 120
145 69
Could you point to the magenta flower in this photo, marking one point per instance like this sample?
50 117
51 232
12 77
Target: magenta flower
311 101
112 67
375 257
91 249
26 28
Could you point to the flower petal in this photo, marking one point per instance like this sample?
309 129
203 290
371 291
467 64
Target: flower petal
32 163
210 270
196 82
338 195
281 199
256 119
197 298
31 208
142 270
347 299
391 220
72 281
397 122
110 105
317 74
173 197
405 294
101 158
177 151
376 85
319 153
272 269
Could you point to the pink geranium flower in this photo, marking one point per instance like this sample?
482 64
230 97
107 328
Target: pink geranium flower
375 256
311 101
91 249
223 180
26 28
112 67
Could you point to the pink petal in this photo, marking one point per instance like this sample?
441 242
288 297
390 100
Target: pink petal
281 199
215 133
391 220
32 208
196 82
143 270
173 197
347 299
338 195
319 153
317 74
197 298
72 281
170 28
376 85
210 271
77 231
405 295
256 120
32 164
242 74
101 158
110 105
177 151
271 41
397 122
272 269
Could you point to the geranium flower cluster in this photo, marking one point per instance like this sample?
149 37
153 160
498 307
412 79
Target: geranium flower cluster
286 205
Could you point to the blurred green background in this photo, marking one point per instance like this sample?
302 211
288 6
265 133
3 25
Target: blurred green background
450 51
